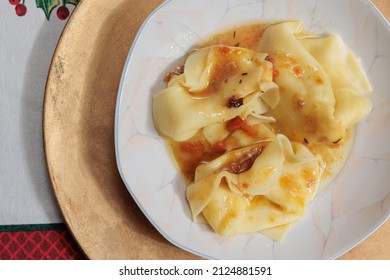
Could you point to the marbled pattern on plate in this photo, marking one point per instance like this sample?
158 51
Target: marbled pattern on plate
341 216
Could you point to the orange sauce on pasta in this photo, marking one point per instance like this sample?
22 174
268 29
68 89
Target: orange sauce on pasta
189 154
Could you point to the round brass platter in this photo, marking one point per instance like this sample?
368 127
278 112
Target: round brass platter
78 126
79 112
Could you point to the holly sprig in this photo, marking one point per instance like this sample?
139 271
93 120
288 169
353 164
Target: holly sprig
47 6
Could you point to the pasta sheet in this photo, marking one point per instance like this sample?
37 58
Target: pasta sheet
321 83
212 76
272 193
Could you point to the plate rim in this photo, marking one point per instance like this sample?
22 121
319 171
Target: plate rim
116 129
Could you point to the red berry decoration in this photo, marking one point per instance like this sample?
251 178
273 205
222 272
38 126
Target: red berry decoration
62 12
20 10
14 2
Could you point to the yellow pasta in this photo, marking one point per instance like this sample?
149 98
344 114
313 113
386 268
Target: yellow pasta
260 119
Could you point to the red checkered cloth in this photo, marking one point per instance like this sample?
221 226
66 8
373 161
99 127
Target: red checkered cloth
38 242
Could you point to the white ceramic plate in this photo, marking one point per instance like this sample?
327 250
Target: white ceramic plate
344 214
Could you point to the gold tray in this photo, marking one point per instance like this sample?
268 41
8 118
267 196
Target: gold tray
78 127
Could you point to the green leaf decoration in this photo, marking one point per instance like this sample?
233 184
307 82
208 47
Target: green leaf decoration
74 2
48 6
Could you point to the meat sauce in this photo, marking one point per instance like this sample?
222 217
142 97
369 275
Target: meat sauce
189 154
